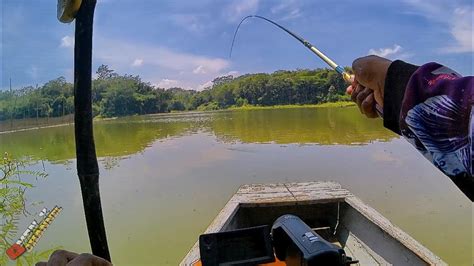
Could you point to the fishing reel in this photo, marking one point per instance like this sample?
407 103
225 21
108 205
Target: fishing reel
67 10
290 240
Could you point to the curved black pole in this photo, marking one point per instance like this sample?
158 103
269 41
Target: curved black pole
87 166
296 36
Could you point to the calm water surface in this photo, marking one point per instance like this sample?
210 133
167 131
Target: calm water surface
165 177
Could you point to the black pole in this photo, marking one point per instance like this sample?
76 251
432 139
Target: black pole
87 166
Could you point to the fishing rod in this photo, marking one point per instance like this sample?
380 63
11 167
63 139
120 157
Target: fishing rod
345 75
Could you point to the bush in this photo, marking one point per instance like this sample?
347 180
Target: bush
208 106
241 102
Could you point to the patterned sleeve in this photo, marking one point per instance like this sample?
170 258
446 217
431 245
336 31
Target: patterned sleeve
431 106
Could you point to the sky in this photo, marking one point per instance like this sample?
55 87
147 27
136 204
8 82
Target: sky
184 43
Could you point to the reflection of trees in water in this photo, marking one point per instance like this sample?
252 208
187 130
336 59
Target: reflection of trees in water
112 138
110 162
119 138
13 206
325 126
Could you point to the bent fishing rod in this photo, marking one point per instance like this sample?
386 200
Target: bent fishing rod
345 75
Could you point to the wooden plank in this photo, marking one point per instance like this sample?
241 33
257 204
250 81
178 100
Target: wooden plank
312 192
313 186
356 249
387 227
262 188
320 196
265 198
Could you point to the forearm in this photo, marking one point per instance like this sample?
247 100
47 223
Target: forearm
398 75
431 107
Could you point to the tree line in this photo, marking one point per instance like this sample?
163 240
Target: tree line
121 95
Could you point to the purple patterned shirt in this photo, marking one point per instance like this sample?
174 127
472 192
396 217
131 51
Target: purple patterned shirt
435 114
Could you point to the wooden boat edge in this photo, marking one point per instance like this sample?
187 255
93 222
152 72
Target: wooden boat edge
307 193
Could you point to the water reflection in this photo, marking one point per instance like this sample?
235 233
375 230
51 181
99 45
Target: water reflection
128 136
325 126
113 138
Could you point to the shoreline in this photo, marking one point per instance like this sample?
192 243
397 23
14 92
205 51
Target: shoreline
340 104
294 106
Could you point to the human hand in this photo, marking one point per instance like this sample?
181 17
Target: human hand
367 90
66 258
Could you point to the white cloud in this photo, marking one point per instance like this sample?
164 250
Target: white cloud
190 22
167 83
461 30
279 8
67 41
234 73
238 9
137 62
123 52
453 16
288 10
205 85
386 52
395 52
295 13
164 67
209 83
199 70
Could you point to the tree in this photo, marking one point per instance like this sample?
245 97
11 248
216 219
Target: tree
120 95
104 72
222 79
332 96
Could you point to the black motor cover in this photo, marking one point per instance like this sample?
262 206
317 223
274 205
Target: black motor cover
293 238
248 246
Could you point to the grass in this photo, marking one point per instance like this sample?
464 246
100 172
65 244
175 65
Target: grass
293 106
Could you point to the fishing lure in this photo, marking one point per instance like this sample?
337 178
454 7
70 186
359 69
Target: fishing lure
339 69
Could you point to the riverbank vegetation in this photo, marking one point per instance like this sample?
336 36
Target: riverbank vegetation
13 207
291 106
121 95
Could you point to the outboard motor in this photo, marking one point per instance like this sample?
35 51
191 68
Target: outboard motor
297 244
291 241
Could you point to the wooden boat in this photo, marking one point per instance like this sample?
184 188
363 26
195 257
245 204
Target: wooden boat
333 212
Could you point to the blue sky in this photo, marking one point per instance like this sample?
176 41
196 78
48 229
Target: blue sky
186 43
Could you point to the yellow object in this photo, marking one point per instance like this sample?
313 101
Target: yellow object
67 10
348 77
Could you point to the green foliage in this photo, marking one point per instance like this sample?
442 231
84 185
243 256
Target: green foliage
294 106
279 88
52 99
208 106
117 95
104 73
12 206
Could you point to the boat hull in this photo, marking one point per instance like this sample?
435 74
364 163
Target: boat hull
364 233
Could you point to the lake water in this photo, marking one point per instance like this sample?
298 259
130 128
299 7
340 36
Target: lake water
165 177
